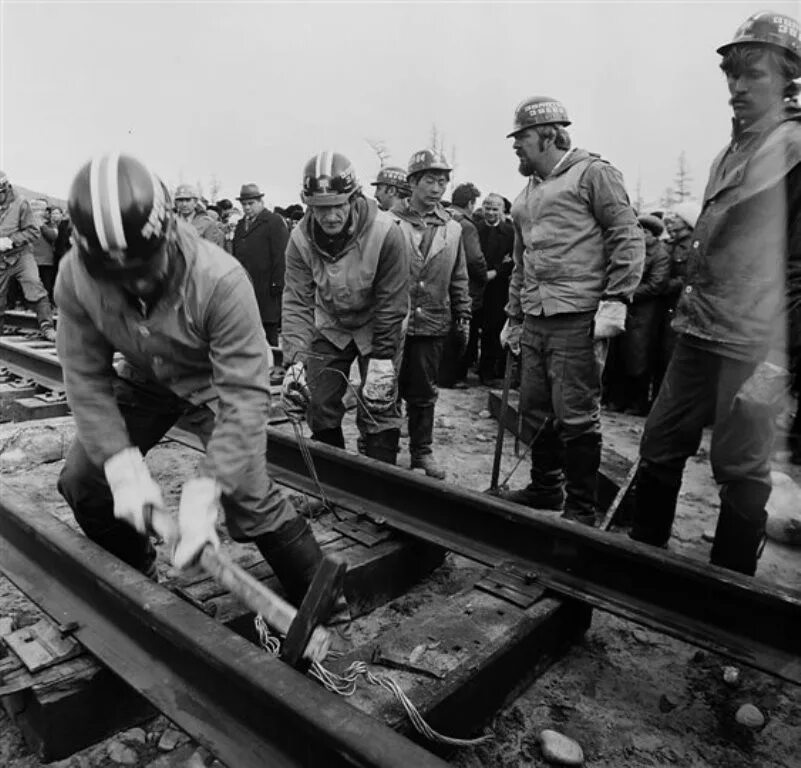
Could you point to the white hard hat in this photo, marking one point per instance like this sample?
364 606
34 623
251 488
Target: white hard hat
688 211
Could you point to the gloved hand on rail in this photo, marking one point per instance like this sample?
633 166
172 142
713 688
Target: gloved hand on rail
132 487
610 319
295 393
6 243
197 520
511 335
766 386
380 386
462 330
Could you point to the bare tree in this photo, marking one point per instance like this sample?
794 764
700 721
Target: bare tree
668 199
379 146
639 203
682 180
214 188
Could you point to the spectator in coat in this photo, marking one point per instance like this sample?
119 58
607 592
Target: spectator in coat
190 210
739 315
631 364
43 246
455 359
259 243
497 238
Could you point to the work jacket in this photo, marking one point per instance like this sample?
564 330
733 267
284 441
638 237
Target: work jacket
474 258
360 294
438 292
202 341
207 227
679 251
260 248
497 243
17 222
742 294
577 240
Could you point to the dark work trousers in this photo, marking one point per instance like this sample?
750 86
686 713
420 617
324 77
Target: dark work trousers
417 384
23 267
327 376
255 507
492 360
794 438
700 386
271 330
667 340
47 274
560 391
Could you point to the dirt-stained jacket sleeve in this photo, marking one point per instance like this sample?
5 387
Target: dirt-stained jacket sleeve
459 287
86 362
391 289
474 256
27 228
240 376
624 243
297 313
514 308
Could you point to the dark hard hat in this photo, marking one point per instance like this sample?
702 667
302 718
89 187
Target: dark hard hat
427 160
392 176
538 110
120 213
329 179
768 28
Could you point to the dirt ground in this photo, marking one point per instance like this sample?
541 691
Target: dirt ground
631 697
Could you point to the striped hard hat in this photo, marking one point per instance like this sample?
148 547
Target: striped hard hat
392 176
4 182
329 179
120 212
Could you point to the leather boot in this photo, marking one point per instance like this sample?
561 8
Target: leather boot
655 497
582 459
421 430
330 437
383 445
546 489
740 532
429 464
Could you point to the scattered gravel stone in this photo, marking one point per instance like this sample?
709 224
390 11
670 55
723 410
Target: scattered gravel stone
708 535
749 716
731 675
122 753
666 703
136 735
485 414
559 749
170 739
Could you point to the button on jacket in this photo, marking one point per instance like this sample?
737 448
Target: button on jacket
743 285
438 292
202 340
577 240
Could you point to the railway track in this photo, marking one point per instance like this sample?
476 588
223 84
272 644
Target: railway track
748 620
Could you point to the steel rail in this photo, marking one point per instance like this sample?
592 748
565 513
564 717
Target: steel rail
21 319
745 618
32 358
248 708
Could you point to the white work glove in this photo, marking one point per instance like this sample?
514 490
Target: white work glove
295 393
610 319
766 386
379 388
511 334
132 488
197 520
6 243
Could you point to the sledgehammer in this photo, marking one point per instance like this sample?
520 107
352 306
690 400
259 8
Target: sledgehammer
306 635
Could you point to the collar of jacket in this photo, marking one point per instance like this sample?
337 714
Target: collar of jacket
571 158
765 123
460 213
362 215
436 217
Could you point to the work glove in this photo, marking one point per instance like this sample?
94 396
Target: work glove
610 319
132 488
511 334
295 393
766 386
6 243
379 388
197 520
462 330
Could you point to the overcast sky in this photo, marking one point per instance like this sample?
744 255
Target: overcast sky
249 91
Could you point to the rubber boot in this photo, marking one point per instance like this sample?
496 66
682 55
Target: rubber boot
421 430
740 532
330 437
655 497
382 445
546 489
44 315
582 460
